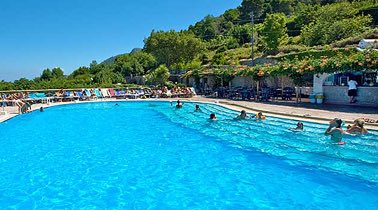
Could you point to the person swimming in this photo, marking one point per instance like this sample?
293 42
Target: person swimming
335 131
357 127
213 117
41 109
179 104
260 116
198 109
243 115
116 104
299 127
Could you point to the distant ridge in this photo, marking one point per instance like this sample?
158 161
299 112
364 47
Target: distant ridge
111 60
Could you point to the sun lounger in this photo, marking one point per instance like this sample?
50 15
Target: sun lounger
38 97
112 92
89 94
97 93
120 94
69 95
105 93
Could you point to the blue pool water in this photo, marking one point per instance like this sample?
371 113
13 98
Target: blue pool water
149 155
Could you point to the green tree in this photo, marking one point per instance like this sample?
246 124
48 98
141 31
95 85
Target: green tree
242 33
80 71
57 73
173 47
137 63
46 74
159 76
6 85
274 32
257 6
334 22
24 84
207 28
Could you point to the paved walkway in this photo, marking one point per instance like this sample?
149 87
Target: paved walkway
303 111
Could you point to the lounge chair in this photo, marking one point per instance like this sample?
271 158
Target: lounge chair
120 94
112 92
69 95
105 93
97 92
80 95
89 94
287 93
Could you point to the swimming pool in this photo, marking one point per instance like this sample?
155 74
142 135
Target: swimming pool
149 155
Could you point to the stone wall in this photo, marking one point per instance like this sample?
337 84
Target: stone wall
339 95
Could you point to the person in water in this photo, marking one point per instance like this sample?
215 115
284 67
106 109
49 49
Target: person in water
198 109
243 115
357 127
213 117
299 127
260 116
41 109
179 104
335 131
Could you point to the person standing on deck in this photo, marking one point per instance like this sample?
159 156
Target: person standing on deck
352 90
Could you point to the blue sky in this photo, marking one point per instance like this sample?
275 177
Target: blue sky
39 34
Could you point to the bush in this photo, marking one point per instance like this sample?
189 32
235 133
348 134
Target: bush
370 34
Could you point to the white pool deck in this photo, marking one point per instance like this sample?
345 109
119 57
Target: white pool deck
312 114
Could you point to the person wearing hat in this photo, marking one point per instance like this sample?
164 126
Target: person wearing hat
335 131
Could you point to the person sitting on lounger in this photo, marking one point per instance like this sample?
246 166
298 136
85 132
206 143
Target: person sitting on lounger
243 115
213 117
357 127
298 128
335 131
179 104
260 116
198 109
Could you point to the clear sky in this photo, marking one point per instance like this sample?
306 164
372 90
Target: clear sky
39 34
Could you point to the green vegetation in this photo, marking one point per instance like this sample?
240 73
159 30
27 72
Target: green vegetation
294 32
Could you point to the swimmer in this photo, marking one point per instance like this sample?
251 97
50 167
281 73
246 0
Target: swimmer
335 131
260 116
357 127
243 115
179 104
198 109
116 104
213 117
298 128
41 109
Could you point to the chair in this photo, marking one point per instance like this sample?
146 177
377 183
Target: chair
112 92
265 94
120 94
105 93
287 93
97 92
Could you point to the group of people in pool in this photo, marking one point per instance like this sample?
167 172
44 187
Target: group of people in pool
334 130
243 114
